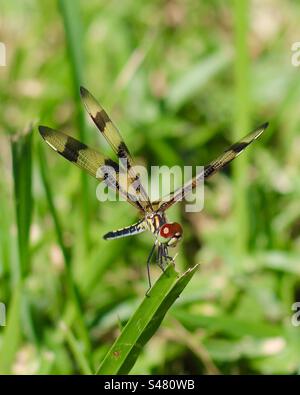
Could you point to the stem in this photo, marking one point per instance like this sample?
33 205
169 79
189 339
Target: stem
71 285
72 24
241 123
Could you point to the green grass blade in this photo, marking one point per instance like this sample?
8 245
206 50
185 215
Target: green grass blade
12 333
72 25
229 325
21 147
194 79
241 122
76 349
49 196
22 163
72 287
5 235
145 321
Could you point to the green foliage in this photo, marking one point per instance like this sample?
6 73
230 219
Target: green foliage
182 80
22 148
145 322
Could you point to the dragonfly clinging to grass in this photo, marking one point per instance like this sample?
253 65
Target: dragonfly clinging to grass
152 214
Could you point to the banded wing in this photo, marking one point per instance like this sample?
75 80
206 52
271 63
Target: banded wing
113 137
231 153
88 159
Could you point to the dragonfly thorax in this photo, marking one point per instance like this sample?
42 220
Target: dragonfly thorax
155 221
167 233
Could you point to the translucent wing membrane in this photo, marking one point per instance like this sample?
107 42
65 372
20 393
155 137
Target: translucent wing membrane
75 151
231 153
96 164
112 135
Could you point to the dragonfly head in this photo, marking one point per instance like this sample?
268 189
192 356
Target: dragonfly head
171 234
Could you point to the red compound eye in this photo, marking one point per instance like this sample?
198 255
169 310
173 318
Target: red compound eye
169 230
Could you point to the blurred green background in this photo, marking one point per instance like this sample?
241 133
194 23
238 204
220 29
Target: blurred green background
182 80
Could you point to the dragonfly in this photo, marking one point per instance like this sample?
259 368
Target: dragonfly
152 214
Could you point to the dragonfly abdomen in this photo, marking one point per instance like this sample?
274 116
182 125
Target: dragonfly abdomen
130 230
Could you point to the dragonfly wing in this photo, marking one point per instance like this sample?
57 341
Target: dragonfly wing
113 137
231 153
88 159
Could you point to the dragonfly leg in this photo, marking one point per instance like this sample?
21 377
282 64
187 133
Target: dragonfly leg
148 268
161 257
166 255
